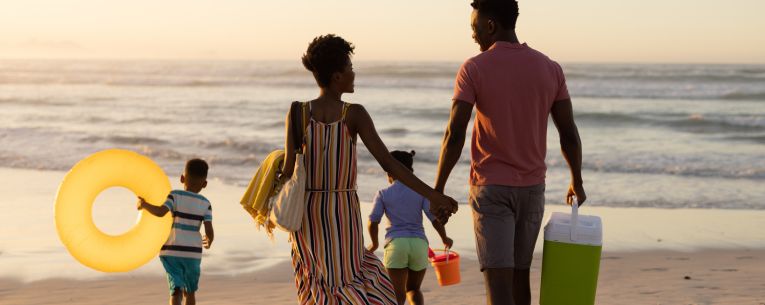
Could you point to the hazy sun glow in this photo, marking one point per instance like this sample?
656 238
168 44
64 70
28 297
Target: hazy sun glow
572 31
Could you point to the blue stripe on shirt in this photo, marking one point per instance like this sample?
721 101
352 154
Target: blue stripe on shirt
185 227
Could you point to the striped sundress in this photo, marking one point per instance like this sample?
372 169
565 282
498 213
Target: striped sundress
331 264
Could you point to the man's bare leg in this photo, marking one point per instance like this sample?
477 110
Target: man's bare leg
499 286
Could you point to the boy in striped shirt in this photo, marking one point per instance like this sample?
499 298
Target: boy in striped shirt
181 254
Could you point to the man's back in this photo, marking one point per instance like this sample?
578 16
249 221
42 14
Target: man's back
513 88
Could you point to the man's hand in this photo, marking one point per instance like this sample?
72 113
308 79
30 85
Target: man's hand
575 190
206 242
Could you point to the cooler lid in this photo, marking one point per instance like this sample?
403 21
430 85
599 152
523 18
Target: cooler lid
586 229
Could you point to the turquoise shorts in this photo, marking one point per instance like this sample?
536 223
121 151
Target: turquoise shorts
182 273
406 252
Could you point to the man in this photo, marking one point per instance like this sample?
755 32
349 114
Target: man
514 89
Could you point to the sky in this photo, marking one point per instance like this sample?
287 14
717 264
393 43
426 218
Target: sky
647 31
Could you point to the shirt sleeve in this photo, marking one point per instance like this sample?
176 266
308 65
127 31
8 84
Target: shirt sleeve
208 214
562 88
170 203
378 209
426 209
465 83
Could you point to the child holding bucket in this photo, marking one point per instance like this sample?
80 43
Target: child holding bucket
406 247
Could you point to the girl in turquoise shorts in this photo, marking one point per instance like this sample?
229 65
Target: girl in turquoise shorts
406 247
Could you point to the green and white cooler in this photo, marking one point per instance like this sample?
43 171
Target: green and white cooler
571 259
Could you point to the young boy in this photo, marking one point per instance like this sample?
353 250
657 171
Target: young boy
406 247
181 255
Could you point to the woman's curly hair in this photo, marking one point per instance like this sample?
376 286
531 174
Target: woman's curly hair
326 55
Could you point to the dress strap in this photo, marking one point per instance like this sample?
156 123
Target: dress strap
345 111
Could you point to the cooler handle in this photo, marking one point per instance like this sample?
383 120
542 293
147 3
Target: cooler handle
574 218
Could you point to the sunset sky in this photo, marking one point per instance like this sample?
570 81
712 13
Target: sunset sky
700 31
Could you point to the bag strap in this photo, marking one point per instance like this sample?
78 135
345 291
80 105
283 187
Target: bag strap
345 111
298 112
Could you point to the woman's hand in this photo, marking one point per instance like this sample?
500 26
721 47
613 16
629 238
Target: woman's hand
372 247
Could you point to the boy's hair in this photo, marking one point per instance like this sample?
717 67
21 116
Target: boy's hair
197 168
504 12
406 158
326 55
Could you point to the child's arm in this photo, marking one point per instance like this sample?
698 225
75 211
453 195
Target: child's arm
374 220
448 242
158 211
436 224
373 235
209 235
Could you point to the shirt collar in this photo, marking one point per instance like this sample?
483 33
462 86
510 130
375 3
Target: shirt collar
508 45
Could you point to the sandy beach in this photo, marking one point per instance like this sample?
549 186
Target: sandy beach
655 277
651 256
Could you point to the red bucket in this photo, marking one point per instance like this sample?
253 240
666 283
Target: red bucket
447 266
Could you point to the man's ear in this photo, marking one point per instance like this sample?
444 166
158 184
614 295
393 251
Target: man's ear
491 27
183 178
204 184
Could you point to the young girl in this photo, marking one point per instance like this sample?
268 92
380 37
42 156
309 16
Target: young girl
406 247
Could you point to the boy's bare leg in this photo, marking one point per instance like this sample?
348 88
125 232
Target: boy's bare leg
190 298
413 282
176 297
398 279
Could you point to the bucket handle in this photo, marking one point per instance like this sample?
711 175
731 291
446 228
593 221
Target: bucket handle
574 218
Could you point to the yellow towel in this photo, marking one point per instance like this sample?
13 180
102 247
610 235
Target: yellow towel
261 189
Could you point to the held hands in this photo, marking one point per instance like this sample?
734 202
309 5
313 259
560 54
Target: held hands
442 206
206 242
576 190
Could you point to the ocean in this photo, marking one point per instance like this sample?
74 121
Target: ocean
654 135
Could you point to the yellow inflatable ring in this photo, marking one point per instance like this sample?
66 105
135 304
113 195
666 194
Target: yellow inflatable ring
74 205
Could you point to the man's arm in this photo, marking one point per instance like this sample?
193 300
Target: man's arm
209 235
571 146
158 211
373 228
454 140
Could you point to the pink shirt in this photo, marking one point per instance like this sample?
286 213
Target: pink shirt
513 88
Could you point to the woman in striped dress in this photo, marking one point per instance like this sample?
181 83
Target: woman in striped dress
328 255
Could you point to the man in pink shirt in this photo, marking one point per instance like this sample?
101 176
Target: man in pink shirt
514 89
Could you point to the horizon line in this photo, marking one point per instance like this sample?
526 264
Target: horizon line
202 59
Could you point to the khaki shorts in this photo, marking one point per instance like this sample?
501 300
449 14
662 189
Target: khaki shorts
506 220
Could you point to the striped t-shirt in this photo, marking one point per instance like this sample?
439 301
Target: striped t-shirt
189 211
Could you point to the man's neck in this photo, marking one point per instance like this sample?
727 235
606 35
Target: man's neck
507 36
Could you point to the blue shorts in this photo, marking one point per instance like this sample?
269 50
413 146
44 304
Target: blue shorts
182 272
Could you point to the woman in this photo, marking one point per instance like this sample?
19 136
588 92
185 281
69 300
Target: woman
328 255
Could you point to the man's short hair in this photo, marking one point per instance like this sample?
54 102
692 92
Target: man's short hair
197 168
504 12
